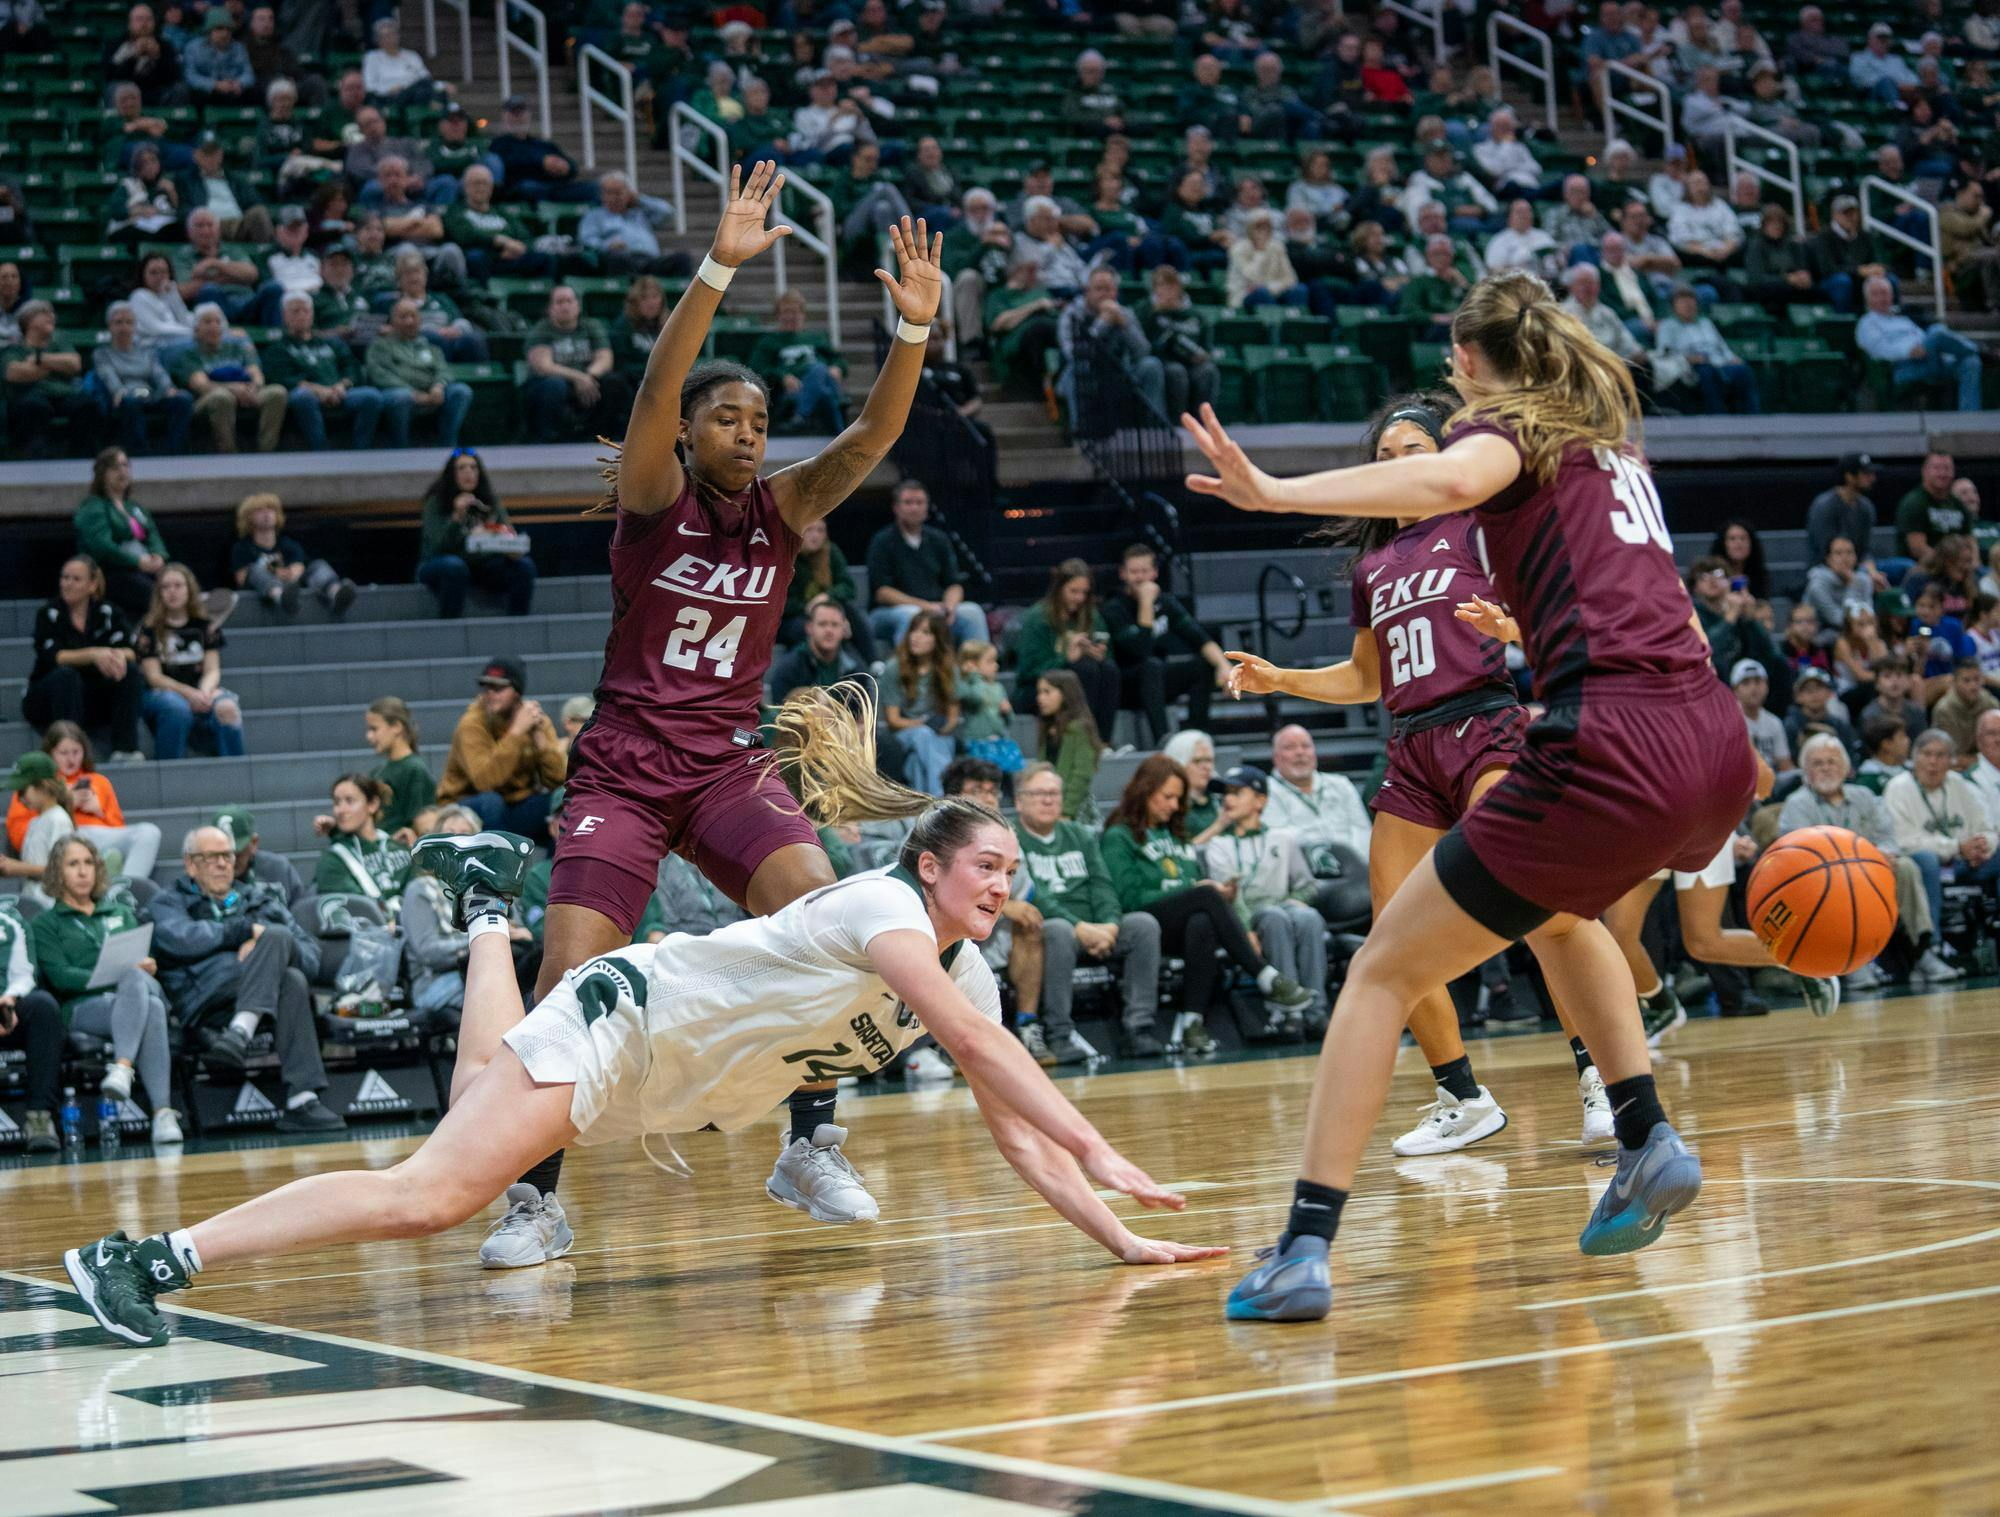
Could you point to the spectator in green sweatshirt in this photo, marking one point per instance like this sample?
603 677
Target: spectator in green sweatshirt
1069 739
119 535
401 361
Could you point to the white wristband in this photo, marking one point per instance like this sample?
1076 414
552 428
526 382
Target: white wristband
715 275
908 333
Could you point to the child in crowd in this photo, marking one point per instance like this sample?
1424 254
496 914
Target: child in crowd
274 567
1069 740
986 708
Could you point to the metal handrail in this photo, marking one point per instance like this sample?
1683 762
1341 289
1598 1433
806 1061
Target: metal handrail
464 9
537 53
619 110
679 154
1933 250
825 241
1663 123
1544 71
1268 624
1735 162
1432 20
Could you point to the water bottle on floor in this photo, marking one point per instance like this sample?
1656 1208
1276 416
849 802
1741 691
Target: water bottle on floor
72 1121
108 1136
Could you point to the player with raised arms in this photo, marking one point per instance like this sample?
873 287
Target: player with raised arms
701 559
670 1037
1456 727
1637 764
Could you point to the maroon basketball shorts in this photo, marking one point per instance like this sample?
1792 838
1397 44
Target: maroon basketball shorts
1432 770
1636 775
631 800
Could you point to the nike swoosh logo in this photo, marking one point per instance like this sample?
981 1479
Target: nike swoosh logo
687 531
102 1257
1623 1186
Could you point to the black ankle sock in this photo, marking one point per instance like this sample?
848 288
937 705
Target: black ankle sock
1635 1109
1315 1210
1582 1054
1456 1077
545 1174
809 1109
1657 1001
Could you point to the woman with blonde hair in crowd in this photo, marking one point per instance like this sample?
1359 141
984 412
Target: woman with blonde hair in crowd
274 567
180 653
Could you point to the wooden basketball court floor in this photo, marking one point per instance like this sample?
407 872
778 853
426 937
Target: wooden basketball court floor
1818 1335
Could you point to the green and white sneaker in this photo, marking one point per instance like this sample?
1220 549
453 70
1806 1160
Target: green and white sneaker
1661 1012
1822 997
480 873
118 1285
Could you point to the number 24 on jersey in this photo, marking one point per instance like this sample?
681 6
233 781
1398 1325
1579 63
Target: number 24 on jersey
690 643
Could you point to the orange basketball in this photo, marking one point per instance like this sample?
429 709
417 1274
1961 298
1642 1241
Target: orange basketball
1823 900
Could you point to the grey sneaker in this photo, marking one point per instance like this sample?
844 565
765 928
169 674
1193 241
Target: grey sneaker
1934 968
817 1179
533 1231
41 1128
479 873
1036 1042
1652 1183
1070 1048
1822 996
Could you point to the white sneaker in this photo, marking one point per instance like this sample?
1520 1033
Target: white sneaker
1449 1124
927 1064
816 1178
117 1082
167 1126
1597 1123
1865 979
1932 967
533 1231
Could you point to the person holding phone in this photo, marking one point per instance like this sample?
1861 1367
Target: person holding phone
1728 615
1065 630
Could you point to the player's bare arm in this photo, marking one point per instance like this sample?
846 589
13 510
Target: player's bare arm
810 489
1355 681
1416 487
650 478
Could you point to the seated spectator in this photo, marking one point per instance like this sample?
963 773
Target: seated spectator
1646 250
454 149
396 76
1835 586
45 385
913 567
1249 201
146 58
226 380
1316 190
1586 285
1154 869
1174 331
1574 223
289 268
416 181
30 1021
1939 821
823 659
1773 110
1895 681
129 848
624 231
491 236
212 186
402 362
1431 223
1930 512
1813 706
40 812
230 958
1376 281
391 732
929 186
576 714
435 950
1845 510
1827 799
1264 874
1984 775
1777 269
1325 812
271 60
65 940
137 388
1260 272
274 567
180 654
986 733
85 671
1069 739
1705 116
118 535
362 858
1436 294
13 295
340 309
1723 381
270 871
1469 205
1098 334
163 316
1916 355
1042 242
1959 709
438 316
1523 245
1209 103
1703 230
638 328
1163 652
828 127
1767 733
1194 751
285 149
1855 652
1504 158
1886 741
571 385
533 168
1965 231
145 202
467 538
1065 630
919 701
803 370
822 569
1022 320
504 757
1092 106
1879 70
1742 553
1812 51
1982 632
215 65
317 374
1845 256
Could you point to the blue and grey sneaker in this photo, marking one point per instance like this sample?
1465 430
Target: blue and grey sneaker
1652 1183
1290 1284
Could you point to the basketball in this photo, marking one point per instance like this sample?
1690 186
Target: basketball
1823 900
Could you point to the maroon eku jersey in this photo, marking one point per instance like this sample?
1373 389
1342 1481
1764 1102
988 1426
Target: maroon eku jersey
1407 593
1585 565
697 593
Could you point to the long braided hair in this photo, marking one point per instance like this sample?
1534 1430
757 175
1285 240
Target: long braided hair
1428 409
702 379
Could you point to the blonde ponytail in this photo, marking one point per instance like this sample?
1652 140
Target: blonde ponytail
826 745
1553 384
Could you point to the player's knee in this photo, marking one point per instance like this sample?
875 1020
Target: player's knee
420 1205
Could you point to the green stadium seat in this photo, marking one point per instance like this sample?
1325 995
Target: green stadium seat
526 298
1281 384
491 419
1346 383
1429 362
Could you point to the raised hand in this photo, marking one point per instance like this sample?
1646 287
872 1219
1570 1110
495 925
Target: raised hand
1251 676
1138 1250
741 234
1489 619
1114 1171
919 260
1240 482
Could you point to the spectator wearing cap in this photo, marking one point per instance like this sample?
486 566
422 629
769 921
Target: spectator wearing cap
1844 509
212 185
454 149
142 397
1469 205
624 231
1265 874
254 867
533 168
393 74
318 376
1879 70
1918 355
216 65
505 756
409 369
1845 255
1767 734
45 385
462 509
231 957
289 267
39 816
227 382
31 1021
491 236
1813 705
340 310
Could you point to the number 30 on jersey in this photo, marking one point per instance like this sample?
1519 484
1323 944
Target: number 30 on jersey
686 647
1639 518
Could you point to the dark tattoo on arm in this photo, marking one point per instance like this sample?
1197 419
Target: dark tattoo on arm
823 482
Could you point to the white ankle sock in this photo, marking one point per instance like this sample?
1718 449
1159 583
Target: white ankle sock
181 1243
246 1022
300 1098
1266 978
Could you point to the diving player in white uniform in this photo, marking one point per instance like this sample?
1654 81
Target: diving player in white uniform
672 1037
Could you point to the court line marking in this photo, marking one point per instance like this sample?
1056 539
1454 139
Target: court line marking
1131 1485
1431 1371
1443 1487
